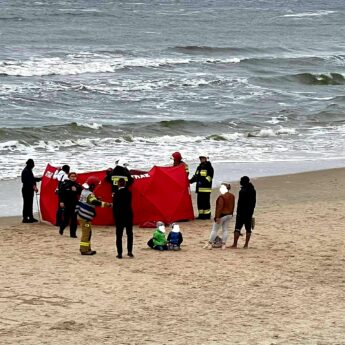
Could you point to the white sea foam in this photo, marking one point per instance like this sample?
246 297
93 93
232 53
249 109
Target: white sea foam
82 63
309 14
90 125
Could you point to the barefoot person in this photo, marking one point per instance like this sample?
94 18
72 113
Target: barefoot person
245 209
225 205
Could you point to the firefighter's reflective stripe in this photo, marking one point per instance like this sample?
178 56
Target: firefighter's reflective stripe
209 178
116 178
204 190
84 244
203 173
204 211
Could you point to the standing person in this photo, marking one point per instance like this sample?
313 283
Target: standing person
28 189
245 210
176 156
120 171
225 205
203 177
123 214
86 210
60 175
69 193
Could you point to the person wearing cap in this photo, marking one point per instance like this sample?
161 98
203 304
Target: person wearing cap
175 237
123 218
86 210
245 210
203 177
158 241
225 205
28 189
177 158
61 175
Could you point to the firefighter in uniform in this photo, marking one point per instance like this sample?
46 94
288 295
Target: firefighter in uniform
203 177
86 210
176 156
113 176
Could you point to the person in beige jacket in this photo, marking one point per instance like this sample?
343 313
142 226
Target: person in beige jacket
225 206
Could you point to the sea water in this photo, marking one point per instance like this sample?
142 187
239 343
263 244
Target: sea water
256 85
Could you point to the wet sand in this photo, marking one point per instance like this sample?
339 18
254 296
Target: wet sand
287 288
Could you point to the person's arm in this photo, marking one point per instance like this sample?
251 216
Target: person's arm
219 208
180 239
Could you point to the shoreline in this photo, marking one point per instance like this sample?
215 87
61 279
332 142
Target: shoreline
10 218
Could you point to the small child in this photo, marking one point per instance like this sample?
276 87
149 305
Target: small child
175 237
158 241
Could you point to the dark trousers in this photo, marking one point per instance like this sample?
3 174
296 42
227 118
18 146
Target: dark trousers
59 215
28 199
204 205
69 218
119 234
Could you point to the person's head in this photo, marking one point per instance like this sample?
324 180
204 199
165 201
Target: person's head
121 183
224 187
72 176
203 158
30 163
177 157
244 181
160 226
92 182
66 168
175 227
121 162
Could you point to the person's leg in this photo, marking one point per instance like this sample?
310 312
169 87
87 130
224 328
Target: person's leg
199 205
225 226
85 240
63 221
73 224
129 232
248 227
213 235
26 202
237 232
119 234
207 205
150 243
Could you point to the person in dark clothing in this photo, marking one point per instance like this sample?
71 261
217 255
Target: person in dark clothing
69 192
123 214
203 177
245 210
28 189
60 175
120 171
175 237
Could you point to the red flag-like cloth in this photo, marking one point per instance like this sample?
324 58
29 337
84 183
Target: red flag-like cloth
160 194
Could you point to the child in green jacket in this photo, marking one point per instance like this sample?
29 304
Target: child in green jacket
158 241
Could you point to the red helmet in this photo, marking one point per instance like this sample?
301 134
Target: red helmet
177 156
93 181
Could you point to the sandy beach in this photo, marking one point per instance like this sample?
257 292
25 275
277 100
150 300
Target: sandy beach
287 288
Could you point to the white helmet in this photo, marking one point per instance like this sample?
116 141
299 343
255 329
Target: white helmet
203 155
121 162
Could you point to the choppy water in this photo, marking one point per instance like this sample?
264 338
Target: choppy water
84 82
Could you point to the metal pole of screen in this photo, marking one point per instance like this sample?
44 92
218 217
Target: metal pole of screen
38 208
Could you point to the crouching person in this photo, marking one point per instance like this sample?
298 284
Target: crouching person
86 210
158 241
175 237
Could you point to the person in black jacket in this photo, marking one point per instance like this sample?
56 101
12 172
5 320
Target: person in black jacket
245 210
28 189
203 177
69 192
122 208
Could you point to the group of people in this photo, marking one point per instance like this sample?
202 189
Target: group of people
78 203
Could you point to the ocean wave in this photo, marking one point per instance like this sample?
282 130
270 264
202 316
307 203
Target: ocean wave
74 64
271 132
308 14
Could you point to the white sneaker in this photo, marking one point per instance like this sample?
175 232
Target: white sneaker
208 246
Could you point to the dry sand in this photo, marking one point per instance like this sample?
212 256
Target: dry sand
287 288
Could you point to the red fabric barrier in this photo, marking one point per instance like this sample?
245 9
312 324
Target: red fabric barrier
160 194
